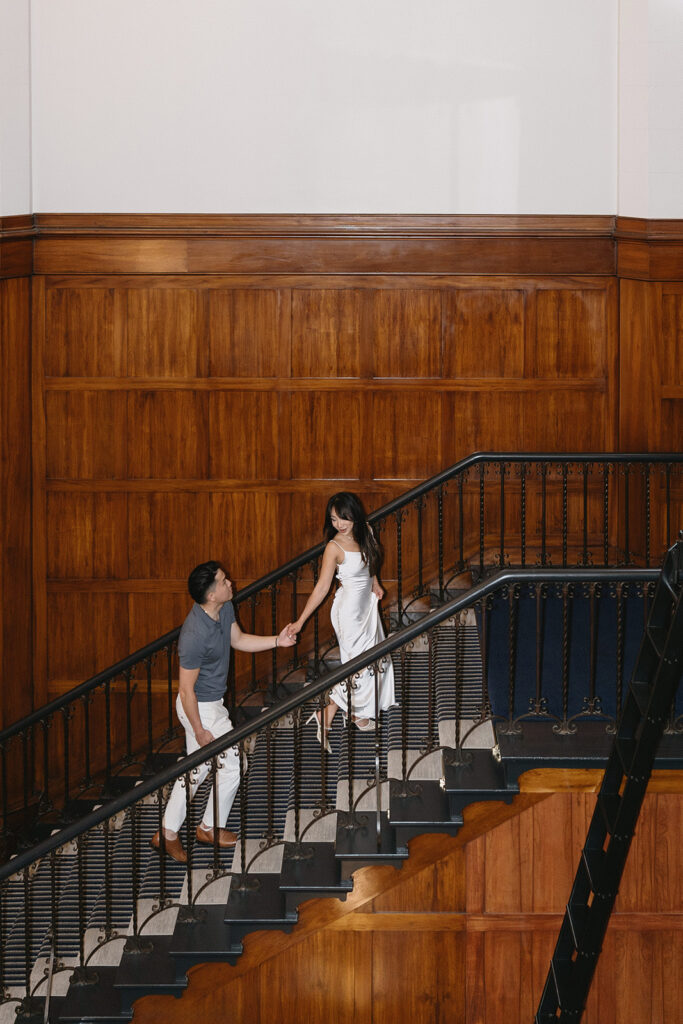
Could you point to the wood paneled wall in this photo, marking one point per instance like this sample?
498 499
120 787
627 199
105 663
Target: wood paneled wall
465 931
16 612
190 416
202 384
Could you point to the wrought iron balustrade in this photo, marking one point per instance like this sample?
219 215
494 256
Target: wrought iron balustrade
119 889
486 512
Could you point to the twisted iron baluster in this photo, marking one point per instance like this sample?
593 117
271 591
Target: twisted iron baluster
522 501
563 727
54 902
66 715
432 727
252 603
82 896
459 659
420 577
273 623
295 615
501 469
46 802
296 723
585 471
539 647
106 830
270 787
620 646
404 722
316 630
544 473
107 728
482 500
398 517
605 513
28 929
592 702
351 747
150 712
135 865
243 882
439 520
169 688
565 471
378 761
162 845
129 723
627 502
25 769
668 503
3 786
513 597
188 825
647 469
461 524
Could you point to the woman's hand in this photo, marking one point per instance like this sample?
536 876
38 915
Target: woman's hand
293 628
377 590
287 637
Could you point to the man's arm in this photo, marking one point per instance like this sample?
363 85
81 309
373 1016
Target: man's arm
252 644
186 679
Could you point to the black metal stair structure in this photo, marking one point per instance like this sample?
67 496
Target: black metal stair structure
652 689
369 789
307 820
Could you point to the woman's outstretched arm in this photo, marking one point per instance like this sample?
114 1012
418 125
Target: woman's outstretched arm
321 589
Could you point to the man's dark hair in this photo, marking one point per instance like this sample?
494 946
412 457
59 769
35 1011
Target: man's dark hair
201 580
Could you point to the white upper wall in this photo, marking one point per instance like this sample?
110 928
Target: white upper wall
651 108
390 106
15 108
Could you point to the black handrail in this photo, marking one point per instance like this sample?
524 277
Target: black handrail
396 640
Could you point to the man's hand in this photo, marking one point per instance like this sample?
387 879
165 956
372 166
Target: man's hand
203 736
287 638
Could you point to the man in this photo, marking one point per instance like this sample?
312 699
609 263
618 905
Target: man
204 645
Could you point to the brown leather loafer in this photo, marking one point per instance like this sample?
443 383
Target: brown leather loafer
173 847
225 837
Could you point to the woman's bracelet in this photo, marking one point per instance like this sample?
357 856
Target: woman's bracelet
276 641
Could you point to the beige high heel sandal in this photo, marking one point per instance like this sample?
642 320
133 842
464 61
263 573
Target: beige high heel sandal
318 728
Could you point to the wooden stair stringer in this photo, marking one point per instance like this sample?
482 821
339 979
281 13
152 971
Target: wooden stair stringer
320 913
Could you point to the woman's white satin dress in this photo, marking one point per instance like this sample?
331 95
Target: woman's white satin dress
356 621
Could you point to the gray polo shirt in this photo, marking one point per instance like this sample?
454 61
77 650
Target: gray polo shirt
205 644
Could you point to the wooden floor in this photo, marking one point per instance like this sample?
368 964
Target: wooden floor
465 930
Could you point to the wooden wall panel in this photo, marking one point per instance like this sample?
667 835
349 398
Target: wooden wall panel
168 434
16 612
164 332
86 632
406 333
484 332
326 435
328 335
86 435
406 435
570 337
87 536
168 533
86 337
248 331
244 435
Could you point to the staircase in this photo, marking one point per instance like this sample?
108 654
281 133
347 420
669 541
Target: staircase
124 923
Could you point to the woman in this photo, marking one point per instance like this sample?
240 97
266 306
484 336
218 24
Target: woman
352 552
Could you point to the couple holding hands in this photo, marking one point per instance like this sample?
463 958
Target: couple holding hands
210 630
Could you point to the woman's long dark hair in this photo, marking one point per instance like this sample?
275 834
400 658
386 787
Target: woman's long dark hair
349 506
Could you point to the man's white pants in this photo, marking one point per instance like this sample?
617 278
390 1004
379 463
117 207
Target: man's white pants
216 719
